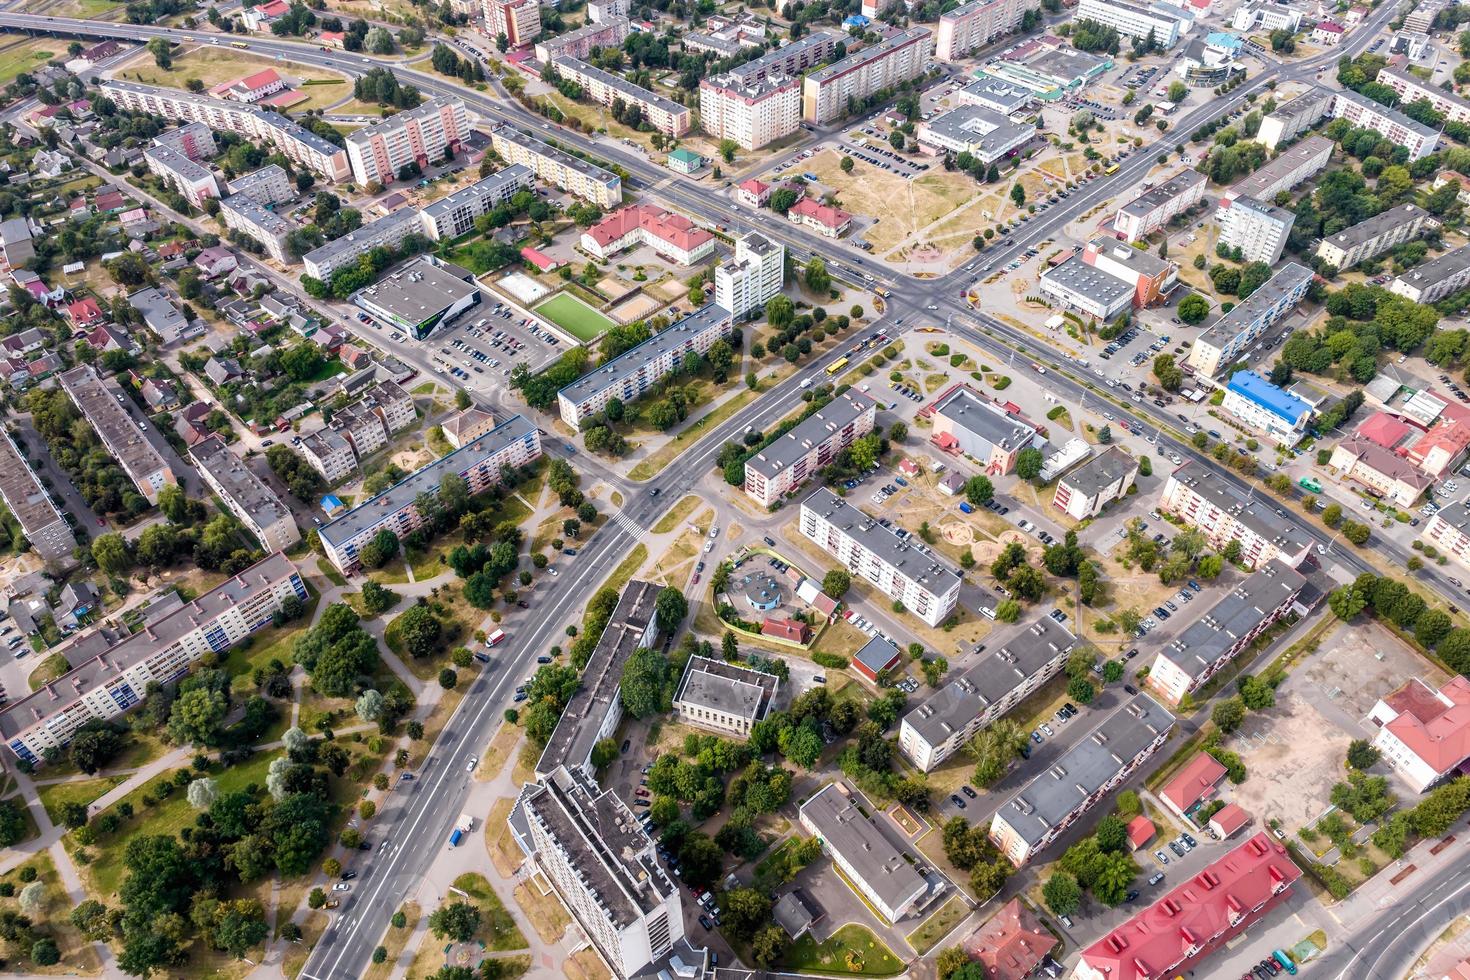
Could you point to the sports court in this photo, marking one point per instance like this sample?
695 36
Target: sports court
574 316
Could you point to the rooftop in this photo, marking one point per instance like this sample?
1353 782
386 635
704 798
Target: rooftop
351 243
240 483
727 688
1181 183
101 405
995 91
1287 280
1101 472
903 555
1196 781
1012 942
1138 261
427 109
763 64
677 230
846 829
177 162
417 292
635 93
1279 402
876 655
985 419
23 493
492 186
1077 276
631 362
872 52
562 158
1392 115
983 130
275 120
817 428
253 211
1437 729
1236 614
1381 223
1436 270
1263 180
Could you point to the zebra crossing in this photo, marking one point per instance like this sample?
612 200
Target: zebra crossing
626 523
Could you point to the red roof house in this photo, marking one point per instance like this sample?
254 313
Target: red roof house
671 235
1195 782
753 192
1426 732
85 312
1228 819
1012 943
784 629
332 39
1172 936
825 218
1141 830
540 260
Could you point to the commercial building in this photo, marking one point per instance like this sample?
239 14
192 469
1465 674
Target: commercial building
1392 125
1226 628
268 185
752 113
1173 936
1373 236
1226 339
593 851
990 432
985 134
1085 491
1078 781
1156 207
900 567
1047 67
1256 403
419 296
387 232
1424 733
753 277
1225 513
422 135
816 441
672 236
245 495
1077 285
1258 229
1411 88
28 500
452 216
792 59
664 114
123 438
162 651
1297 163
518 20
993 685
515 442
1266 17
724 698
271 129
245 214
869 858
1150 277
1432 281
1140 20
193 140
979 22
578 43
627 376
825 219
996 95
557 167
195 182
1290 119
1384 473
827 93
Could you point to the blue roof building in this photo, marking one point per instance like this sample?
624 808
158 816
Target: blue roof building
1258 404
856 20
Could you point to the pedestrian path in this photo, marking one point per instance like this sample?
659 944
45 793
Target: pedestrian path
629 525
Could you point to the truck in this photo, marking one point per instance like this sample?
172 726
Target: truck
455 837
462 826
495 638
1285 961
965 506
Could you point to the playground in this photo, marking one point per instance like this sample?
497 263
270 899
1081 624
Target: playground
575 317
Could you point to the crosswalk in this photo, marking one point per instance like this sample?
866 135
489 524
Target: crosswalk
626 523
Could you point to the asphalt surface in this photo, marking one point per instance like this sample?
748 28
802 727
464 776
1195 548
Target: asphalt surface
1387 946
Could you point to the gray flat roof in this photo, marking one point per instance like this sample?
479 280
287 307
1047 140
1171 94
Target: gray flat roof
1370 228
1393 115
1292 157
846 829
1437 270
351 243
424 110
990 680
902 554
516 173
1065 64
1281 215
269 173
120 434
570 38
1257 513
872 52
837 415
418 291
1140 261
1314 102
1181 183
984 419
177 162
1100 471
728 688
618 83
1086 767
817 39
1011 97
24 495
242 485
1287 279
876 654
424 480
87 676
252 210
576 731
631 362
542 148
1207 639
1090 281
992 131
159 312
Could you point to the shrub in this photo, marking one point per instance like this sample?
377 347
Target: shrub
830 660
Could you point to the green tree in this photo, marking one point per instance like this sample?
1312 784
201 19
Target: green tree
112 554
644 688
1028 463
1062 894
836 583
457 921
670 607
197 716
1193 308
1228 714
979 491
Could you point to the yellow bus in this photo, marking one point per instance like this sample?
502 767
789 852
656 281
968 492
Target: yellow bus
837 365
1111 170
238 44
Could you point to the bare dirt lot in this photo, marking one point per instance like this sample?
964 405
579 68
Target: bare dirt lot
1361 663
1293 754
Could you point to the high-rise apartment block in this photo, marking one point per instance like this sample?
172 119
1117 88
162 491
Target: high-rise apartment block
753 277
753 113
518 20
828 92
1258 229
421 135
979 22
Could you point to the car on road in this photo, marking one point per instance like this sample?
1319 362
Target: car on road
627 744
1157 877
348 875
1163 858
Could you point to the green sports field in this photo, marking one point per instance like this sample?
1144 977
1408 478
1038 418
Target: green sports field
575 316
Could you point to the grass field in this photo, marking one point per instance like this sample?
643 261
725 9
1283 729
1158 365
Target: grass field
27 55
575 317
213 64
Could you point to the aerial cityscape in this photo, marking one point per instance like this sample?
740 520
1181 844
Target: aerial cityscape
707 490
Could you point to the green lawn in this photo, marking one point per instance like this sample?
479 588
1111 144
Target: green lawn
54 797
27 56
497 928
575 316
938 925
271 643
831 957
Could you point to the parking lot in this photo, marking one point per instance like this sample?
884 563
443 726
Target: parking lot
492 343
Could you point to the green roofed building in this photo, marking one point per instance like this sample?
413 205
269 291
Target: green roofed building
685 161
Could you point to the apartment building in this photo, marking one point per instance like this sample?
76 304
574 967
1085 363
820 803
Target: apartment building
1411 88
1424 733
1057 798
990 432
1130 19
629 375
28 500
672 236
665 115
977 23
1214 908
870 859
827 92
387 232
790 461
1150 277
452 216
194 181
369 423
124 440
1227 514
1224 340
1392 125
245 495
421 135
245 214
113 681
946 721
1449 531
1104 478
467 426
602 11
985 134
518 20
1218 636
515 442
1258 229
1292 118
268 185
1432 281
1156 207
193 140
900 567
604 868
752 113
1373 236
791 60
723 698
272 129
578 43
1292 166
557 167
329 453
1279 415
753 277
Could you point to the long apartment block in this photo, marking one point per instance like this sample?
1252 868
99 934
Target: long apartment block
900 567
296 143
515 442
628 376
1227 338
421 135
1373 236
1156 207
1139 20
792 59
102 406
110 683
827 92
977 23
816 441
557 167
387 232
1432 281
951 716
28 500
1392 125
1225 513
452 216
666 115
1294 117
1295 164
752 113
578 43
246 495
1056 799
1411 88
